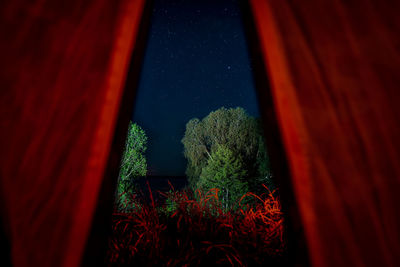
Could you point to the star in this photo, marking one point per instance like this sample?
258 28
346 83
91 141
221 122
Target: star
228 67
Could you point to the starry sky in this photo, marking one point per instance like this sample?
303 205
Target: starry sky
196 61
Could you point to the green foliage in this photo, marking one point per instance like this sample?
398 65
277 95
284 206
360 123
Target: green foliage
225 171
133 165
234 129
170 204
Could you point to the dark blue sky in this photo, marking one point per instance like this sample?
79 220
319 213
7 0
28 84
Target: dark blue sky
196 61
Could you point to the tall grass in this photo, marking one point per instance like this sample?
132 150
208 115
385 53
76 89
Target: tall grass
192 229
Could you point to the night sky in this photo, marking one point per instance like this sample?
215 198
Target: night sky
196 61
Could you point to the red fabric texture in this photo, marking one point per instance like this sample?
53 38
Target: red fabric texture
62 71
334 69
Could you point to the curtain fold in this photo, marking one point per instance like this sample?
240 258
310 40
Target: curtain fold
62 72
333 67
334 72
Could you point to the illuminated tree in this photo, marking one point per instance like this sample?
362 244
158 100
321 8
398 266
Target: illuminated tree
133 164
226 172
234 129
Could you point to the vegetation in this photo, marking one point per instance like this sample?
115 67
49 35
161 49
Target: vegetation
217 220
133 165
199 233
226 172
241 137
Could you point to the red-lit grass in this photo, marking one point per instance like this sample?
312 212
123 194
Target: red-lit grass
200 232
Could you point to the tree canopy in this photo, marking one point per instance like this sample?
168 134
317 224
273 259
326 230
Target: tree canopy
133 164
225 171
232 128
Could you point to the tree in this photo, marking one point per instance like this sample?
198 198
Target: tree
264 175
232 128
225 171
133 164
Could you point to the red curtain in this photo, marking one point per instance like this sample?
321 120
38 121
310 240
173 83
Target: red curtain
62 71
334 69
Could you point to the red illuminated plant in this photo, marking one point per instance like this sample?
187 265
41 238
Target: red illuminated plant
200 232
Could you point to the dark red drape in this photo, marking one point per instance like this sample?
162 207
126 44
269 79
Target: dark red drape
62 68
334 69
